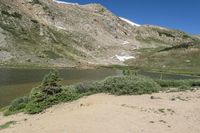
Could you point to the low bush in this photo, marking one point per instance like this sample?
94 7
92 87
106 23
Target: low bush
7 124
194 83
49 93
128 72
121 85
16 106
184 88
40 98
178 83
129 85
39 101
88 88
172 83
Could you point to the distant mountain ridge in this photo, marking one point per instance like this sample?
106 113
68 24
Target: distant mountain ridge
54 34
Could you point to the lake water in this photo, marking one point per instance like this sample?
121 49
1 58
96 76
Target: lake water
19 82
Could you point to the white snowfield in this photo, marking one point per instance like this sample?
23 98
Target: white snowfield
130 22
124 57
63 2
60 27
125 42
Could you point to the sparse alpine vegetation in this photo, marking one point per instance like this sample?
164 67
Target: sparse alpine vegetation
183 59
7 124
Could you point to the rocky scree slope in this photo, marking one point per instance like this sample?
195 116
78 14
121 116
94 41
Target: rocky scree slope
46 33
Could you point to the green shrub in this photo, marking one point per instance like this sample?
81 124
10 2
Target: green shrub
88 87
7 124
40 101
173 83
40 97
129 72
129 85
195 82
51 83
184 88
16 106
43 96
68 94
178 83
34 107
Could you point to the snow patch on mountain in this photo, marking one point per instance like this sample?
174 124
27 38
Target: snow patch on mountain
130 22
63 2
125 42
124 57
60 27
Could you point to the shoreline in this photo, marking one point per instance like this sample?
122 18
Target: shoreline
157 71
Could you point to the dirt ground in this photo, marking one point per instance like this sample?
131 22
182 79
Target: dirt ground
102 113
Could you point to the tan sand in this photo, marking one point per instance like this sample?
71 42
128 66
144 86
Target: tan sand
102 113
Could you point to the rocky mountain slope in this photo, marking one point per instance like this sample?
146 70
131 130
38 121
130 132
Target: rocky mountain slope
197 36
52 34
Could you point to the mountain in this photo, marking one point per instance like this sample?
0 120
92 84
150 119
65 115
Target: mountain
197 36
55 34
130 22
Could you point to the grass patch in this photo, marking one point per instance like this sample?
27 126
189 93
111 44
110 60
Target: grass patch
161 110
149 40
52 55
7 125
181 46
179 83
178 59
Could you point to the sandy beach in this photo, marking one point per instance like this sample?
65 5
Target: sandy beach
103 113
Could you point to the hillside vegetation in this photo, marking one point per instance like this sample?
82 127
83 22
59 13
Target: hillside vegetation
44 33
183 58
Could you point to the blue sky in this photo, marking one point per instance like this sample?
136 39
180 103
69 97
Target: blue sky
176 14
